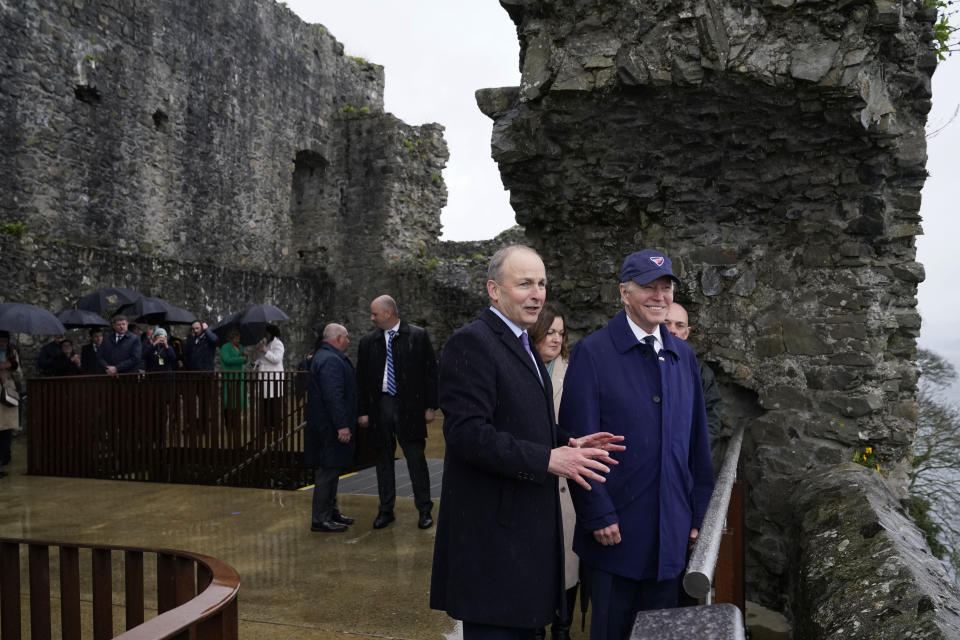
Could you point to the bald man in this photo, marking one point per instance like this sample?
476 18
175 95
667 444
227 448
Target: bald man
678 324
397 379
331 421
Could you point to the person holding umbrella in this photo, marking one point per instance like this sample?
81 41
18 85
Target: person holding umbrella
67 363
9 403
270 366
48 354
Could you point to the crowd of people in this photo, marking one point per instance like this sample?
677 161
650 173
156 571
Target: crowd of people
132 349
558 464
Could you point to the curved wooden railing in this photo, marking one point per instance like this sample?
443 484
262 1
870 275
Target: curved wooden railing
196 595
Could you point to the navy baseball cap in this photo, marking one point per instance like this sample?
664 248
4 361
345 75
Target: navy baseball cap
643 267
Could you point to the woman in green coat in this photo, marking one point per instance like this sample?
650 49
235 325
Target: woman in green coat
232 360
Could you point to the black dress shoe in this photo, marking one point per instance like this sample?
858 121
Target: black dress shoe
329 527
382 520
425 520
342 519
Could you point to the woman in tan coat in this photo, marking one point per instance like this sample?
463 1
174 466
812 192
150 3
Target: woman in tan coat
9 415
549 337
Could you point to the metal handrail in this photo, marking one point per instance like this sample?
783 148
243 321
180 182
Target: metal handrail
272 446
703 562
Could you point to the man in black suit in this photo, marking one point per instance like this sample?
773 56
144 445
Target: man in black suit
121 352
397 379
89 363
498 558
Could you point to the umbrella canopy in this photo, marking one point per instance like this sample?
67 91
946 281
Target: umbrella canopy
20 317
157 311
251 322
109 298
261 314
176 315
77 318
144 306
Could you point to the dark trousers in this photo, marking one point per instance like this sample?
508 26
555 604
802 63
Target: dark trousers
475 631
617 600
325 484
412 451
6 438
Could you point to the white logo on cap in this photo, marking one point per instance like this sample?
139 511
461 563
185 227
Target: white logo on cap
657 260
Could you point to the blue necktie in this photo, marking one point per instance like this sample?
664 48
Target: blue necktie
391 379
525 339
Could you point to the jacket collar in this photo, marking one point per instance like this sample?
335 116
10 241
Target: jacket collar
511 341
624 338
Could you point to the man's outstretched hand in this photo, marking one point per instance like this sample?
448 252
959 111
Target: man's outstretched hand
580 464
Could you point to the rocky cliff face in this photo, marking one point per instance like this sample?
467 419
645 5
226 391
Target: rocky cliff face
775 151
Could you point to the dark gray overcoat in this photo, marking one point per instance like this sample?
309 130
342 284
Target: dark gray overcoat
331 405
498 552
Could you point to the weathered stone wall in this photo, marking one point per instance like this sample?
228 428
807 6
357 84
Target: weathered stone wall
229 137
863 569
775 151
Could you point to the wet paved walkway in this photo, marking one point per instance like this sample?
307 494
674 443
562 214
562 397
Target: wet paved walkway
294 583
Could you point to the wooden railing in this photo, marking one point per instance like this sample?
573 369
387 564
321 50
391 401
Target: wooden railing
196 596
241 429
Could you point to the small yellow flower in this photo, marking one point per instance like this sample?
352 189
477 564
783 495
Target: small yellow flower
869 449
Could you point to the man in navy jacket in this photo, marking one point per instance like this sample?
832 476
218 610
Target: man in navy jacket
120 352
199 348
633 375
331 424
498 558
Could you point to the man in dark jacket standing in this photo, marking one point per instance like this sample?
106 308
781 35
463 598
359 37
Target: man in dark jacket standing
633 532
331 422
199 348
498 558
120 352
397 376
89 362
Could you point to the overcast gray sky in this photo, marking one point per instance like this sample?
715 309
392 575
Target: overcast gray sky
436 53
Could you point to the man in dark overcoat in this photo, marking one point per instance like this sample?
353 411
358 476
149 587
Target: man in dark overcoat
120 352
200 348
331 423
633 531
397 377
498 558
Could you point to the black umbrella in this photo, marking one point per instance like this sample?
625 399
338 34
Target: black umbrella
109 298
156 311
144 306
19 317
251 322
176 315
77 318
261 314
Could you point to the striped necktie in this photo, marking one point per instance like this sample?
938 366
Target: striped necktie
391 378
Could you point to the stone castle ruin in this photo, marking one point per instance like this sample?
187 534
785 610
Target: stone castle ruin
221 153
